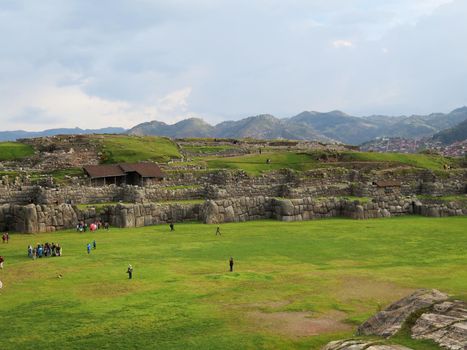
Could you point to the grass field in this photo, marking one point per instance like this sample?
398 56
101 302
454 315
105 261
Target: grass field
427 161
196 149
256 163
295 285
14 151
130 149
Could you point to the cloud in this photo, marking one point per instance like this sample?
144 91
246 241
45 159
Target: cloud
84 63
342 43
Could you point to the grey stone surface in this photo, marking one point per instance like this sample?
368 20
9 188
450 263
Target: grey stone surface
389 321
361 345
445 324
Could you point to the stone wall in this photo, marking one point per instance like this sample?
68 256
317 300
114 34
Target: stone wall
237 209
224 184
47 218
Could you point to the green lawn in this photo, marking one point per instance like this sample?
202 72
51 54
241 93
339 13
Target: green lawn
14 151
295 285
130 149
196 149
256 163
428 161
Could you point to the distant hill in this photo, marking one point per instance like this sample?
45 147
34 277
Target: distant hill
451 135
259 127
192 127
21 134
357 130
334 126
329 126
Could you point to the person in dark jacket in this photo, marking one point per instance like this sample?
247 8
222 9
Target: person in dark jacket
231 263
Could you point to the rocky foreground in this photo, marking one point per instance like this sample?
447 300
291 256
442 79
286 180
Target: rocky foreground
431 315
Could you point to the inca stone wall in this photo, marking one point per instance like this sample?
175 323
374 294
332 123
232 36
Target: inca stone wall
225 184
47 218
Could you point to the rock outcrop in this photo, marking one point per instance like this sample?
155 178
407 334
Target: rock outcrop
361 345
445 324
389 321
431 314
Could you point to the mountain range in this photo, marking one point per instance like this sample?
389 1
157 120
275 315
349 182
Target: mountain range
334 126
451 135
329 126
21 134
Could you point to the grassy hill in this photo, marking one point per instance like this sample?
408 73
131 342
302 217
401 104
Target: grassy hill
427 161
295 285
255 164
457 133
129 149
14 151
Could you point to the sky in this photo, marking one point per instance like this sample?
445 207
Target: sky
92 64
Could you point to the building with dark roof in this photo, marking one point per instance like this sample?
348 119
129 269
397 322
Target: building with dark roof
141 174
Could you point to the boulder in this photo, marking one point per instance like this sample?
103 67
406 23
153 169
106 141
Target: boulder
389 321
361 345
445 324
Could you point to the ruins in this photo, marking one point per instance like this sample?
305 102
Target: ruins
146 193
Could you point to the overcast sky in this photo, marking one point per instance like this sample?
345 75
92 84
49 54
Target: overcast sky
89 63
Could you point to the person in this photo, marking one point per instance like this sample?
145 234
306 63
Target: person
59 250
1 285
29 251
3 238
89 248
129 271
94 244
231 263
34 253
1 262
218 230
171 225
7 237
106 225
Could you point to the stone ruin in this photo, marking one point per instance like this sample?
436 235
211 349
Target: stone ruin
232 195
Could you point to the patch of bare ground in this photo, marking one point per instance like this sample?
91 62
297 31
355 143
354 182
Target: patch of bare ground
361 288
300 324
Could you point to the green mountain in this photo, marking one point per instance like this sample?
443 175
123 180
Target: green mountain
329 126
451 135
259 127
266 126
357 130
192 127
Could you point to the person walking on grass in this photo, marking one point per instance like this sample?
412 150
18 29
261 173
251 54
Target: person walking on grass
231 263
129 271
171 225
218 230
94 245
1 262
89 248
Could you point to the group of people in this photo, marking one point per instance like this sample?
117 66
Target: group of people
54 249
5 237
46 249
97 225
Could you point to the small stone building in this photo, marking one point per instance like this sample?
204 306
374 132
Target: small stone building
140 174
